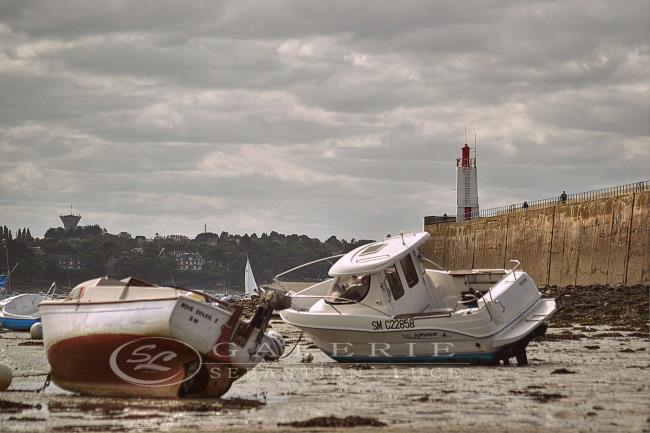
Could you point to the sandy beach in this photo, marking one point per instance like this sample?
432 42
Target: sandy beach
581 377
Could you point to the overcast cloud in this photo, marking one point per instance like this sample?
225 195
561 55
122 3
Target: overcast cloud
320 117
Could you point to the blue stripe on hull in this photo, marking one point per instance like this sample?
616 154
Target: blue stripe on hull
478 357
17 324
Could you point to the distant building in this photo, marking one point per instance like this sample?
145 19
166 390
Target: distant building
124 235
177 238
70 221
190 262
69 262
184 261
140 238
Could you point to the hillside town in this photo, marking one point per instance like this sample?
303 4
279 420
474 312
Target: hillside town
69 255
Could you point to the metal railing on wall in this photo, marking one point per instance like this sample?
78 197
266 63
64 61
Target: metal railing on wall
548 202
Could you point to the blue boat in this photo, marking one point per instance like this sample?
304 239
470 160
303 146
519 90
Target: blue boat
3 287
17 324
20 312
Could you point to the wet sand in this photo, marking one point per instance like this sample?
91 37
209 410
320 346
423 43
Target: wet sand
580 378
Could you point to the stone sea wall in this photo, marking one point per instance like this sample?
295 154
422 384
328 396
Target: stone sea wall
601 241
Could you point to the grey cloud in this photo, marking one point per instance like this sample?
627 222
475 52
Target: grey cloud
326 118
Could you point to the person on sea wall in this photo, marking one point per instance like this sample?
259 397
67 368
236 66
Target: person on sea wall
563 197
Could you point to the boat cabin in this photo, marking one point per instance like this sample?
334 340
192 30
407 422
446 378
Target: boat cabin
389 277
386 276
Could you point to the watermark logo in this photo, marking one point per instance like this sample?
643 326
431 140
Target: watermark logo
155 361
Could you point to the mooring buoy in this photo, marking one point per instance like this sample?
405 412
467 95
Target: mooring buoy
6 376
36 331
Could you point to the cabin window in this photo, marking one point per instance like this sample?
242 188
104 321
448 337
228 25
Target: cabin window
348 289
408 267
394 283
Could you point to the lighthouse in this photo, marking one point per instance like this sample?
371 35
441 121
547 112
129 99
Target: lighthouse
466 186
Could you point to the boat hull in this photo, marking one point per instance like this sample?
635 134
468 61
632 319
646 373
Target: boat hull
133 349
17 324
90 365
451 351
444 339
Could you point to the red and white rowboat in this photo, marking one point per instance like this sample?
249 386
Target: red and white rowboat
131 338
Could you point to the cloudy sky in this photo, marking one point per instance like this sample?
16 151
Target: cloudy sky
314 117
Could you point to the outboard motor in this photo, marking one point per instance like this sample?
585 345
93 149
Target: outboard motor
254 344
272 346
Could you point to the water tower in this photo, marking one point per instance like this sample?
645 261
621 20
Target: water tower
466 186
70 221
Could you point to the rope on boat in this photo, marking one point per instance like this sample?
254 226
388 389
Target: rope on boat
294 346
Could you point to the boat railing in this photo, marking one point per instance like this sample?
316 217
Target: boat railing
340 298
506 275
50 292
512 271
277 280
431 262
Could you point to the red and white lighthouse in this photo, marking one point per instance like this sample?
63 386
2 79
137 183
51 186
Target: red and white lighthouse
466 186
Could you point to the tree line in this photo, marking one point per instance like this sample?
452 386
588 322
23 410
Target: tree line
224 254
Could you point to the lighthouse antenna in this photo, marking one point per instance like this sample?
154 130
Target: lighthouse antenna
475 148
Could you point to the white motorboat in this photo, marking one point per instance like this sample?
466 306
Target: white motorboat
132 338
382 304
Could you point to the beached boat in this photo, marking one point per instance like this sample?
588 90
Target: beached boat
382 304
20 312
132 338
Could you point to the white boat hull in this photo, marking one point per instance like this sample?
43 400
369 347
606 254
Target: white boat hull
95 348
499 326
424 340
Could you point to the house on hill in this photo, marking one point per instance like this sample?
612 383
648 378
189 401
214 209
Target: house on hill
184 261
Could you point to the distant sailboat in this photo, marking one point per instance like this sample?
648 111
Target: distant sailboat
250 286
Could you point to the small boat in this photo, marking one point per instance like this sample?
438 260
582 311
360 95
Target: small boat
250 287
382 304
135 339
20 312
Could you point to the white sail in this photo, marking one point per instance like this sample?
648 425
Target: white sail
249 279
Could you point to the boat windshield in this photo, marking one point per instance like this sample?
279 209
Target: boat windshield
348 289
